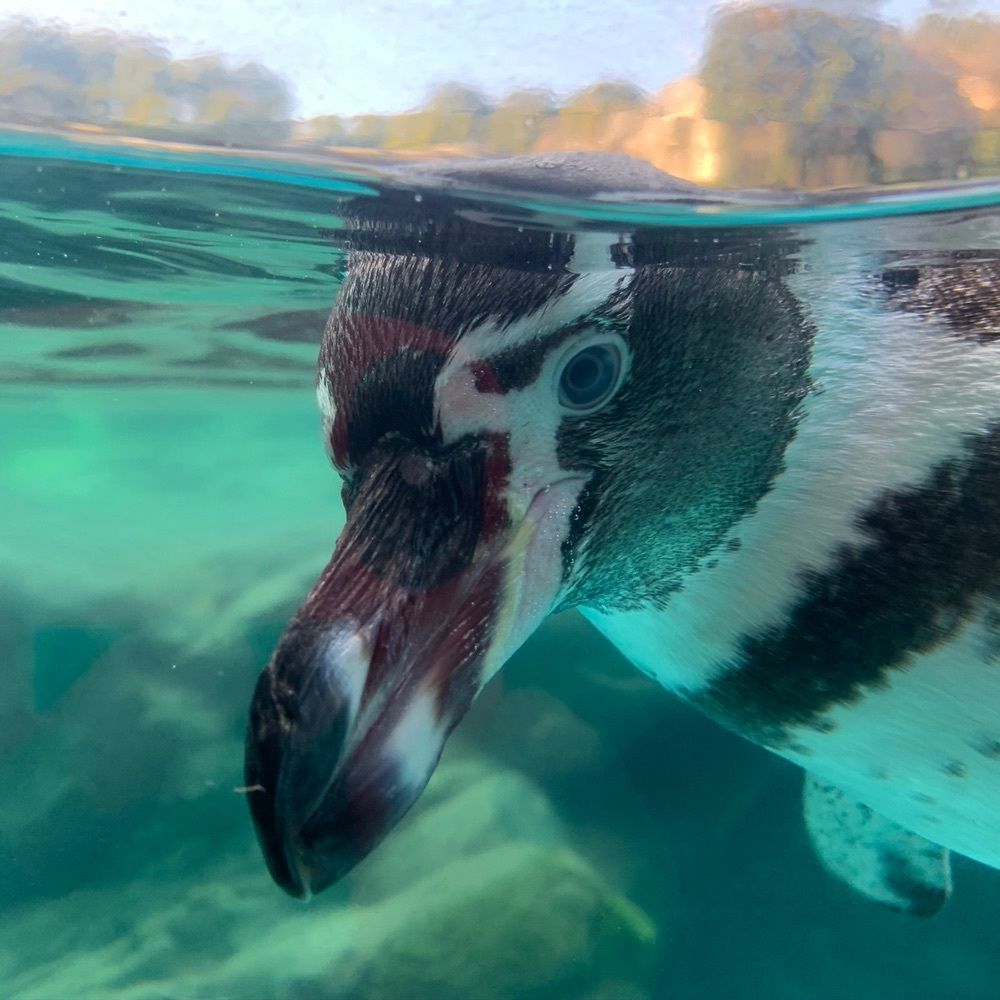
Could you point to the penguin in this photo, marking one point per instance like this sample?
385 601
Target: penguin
772 481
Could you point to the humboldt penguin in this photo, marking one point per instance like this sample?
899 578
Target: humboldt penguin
774 487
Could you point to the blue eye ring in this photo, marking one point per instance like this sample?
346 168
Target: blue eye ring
591 376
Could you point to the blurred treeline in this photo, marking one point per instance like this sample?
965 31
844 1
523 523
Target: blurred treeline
786 96
49 74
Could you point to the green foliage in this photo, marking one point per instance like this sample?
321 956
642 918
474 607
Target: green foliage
452 114
53 75
583 118
845 98
986 148
518 121
805 66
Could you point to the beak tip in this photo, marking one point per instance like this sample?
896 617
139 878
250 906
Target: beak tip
297 882
298 722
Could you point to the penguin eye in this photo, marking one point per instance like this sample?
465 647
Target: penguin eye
590 377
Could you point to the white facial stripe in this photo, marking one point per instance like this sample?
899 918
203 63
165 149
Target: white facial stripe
324 397
533 573
461 408
587 293
598 280
529 417
592 252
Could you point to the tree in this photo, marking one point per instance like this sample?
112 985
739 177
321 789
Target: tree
804 66
453 115
836 78
517 121
967 49
52 74
598 117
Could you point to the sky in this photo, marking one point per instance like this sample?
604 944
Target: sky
381 56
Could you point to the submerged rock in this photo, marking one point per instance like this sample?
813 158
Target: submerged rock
477 895
483 809
517 921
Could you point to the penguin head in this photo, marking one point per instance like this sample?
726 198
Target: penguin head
520 426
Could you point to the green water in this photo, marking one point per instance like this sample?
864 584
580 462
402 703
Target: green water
166 503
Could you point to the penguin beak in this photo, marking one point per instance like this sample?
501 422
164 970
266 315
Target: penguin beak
430 589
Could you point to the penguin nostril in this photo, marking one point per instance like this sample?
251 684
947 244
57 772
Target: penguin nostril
415 470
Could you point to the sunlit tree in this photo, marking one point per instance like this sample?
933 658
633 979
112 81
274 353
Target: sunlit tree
517 121
51 74
837 78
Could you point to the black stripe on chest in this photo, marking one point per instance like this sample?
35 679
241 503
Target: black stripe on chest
930 560
962 288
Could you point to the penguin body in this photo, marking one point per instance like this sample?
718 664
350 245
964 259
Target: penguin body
850 622
774 487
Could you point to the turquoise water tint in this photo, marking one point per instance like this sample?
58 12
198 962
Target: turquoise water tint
165 505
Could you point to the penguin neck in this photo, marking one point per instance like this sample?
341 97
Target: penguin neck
681 652
755 576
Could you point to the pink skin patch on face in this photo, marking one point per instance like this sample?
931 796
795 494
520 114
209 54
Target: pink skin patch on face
470 404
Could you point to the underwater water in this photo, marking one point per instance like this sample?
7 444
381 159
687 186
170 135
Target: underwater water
166 504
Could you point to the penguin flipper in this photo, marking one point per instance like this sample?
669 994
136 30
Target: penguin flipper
878 858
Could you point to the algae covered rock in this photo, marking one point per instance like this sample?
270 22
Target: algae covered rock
478 897
482 808
518 921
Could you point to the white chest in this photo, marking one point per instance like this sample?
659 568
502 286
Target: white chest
896 396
